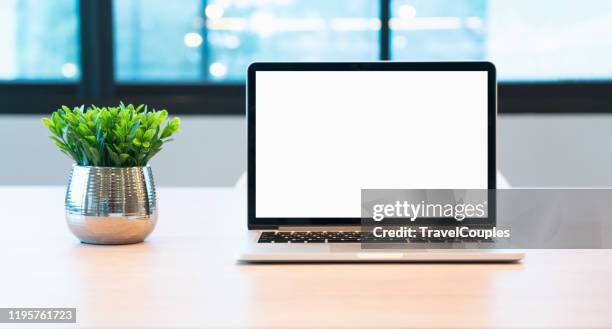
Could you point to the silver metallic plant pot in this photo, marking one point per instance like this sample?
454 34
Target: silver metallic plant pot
109 205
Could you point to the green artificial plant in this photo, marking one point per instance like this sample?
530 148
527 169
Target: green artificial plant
122 136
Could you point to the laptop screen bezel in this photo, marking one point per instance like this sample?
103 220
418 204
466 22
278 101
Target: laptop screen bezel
267 223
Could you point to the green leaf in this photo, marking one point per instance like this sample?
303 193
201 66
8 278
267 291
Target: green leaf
56 139
83 130
150 119
167 132
161 116
148 136
140 132
62 146
134 129
65 133
113 156
48 123
56 121
124 135
175 124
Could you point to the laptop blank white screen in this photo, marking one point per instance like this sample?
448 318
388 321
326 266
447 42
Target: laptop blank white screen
322 136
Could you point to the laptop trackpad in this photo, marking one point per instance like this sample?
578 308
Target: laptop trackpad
355 247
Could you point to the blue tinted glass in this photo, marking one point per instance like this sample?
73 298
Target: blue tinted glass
39 40
527 40
430 30
181 40
241 32
158 40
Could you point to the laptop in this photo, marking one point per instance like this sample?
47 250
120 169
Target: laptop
319 133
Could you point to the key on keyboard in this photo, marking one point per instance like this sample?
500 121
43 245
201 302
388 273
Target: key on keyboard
345 237
310 237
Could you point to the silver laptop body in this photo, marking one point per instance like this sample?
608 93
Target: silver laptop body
313 133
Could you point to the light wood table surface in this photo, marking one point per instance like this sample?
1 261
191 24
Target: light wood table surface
186 275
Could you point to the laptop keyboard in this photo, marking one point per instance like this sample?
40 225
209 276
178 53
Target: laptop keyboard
346 237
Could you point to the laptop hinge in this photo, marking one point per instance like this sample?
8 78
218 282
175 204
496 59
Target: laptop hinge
262 227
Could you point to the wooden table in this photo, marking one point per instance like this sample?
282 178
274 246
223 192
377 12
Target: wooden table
186 275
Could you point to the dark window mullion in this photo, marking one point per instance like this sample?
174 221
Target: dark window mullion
97 66
205 60
385 33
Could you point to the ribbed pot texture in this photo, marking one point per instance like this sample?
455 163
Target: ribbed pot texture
108 205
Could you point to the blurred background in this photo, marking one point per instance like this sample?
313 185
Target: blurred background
189 56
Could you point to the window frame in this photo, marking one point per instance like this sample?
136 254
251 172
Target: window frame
98 86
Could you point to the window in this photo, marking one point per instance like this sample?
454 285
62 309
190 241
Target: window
542 40
314 30
184 40
39 40
438 30
154 40
551 39
191 55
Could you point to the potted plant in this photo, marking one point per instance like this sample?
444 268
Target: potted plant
111 197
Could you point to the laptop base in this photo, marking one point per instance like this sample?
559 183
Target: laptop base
254 252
